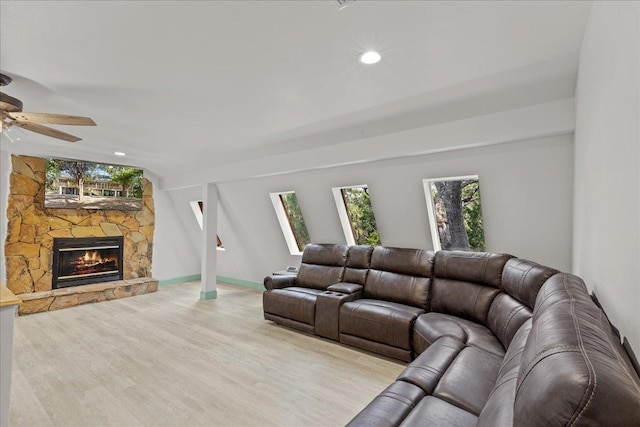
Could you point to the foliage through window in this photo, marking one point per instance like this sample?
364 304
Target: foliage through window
79 184
362 221
455 212
296 221
289 214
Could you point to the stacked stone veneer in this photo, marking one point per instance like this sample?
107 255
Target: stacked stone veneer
32 228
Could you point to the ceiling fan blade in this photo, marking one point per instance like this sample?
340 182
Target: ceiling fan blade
45 130
55 119
9 103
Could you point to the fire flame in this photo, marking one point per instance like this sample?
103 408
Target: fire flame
91 258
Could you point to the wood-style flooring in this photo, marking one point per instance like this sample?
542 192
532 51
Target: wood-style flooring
170 359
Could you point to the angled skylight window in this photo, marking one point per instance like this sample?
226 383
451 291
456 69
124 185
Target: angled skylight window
356 215
291 220
197 208
455 213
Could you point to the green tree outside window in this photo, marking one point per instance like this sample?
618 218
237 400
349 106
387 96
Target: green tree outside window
296 221
360 212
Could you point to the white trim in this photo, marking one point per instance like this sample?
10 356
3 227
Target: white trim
195 207
431 209
287 232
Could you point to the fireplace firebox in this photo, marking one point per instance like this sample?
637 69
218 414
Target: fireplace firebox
86 260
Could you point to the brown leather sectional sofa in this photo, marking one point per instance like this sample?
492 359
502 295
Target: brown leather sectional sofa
492 340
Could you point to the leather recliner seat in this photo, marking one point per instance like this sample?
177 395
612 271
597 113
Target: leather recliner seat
395 293
291 300
497 340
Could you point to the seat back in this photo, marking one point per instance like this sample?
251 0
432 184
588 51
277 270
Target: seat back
498 411
358 263
521 281
466 283
400 275
322 265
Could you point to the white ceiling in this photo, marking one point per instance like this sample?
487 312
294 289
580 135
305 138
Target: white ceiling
183 85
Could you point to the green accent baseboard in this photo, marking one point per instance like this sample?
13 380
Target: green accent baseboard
239 282
222 279
209 294
182 279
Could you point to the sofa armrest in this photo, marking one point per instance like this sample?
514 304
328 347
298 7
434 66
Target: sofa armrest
345 288
279 282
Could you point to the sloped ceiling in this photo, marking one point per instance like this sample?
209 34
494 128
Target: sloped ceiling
181 86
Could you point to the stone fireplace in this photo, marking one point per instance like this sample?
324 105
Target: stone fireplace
35 232
86 260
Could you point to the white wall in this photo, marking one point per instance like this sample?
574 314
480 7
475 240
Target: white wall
528 122
526 200
176 252
606 242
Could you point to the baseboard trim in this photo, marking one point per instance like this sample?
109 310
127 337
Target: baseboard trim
221 279
181 279
209 294
239 282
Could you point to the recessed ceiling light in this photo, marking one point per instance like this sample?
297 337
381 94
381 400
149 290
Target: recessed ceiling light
119 153
370 57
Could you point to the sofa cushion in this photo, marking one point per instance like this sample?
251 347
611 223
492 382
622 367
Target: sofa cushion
293 303
470 379
498 411
358 262
322 265
390 407
506 316
400 275
430 327
523 279
432 411
462 299
573 355
427 369
380 321
345 288
513 355
325 254
465 283
279 282
483 268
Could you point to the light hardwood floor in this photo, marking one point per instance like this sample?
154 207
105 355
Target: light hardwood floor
168 358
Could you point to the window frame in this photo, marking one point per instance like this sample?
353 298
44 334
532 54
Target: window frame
196 207
285 223
431 209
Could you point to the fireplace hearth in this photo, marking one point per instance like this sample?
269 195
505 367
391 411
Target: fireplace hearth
86 260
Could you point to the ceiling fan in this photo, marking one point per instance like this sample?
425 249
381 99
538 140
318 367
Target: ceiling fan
12 115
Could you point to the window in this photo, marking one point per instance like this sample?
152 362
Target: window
291 221
196 207
455 213
356 215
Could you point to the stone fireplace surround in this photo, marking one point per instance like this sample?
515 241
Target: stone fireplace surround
32 228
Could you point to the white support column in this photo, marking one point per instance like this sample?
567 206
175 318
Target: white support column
209 233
